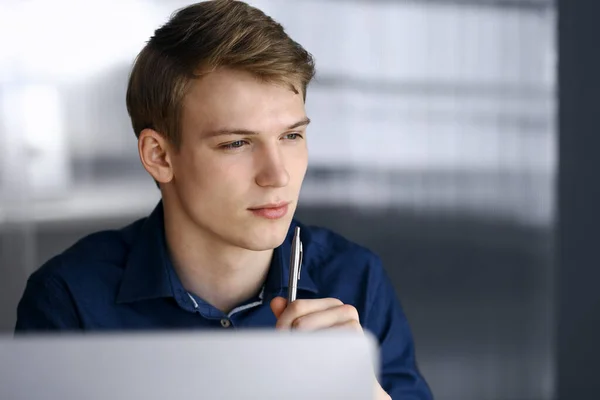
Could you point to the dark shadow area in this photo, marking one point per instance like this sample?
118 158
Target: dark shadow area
578 273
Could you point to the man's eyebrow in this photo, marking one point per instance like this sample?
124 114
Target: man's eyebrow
221 132
298 124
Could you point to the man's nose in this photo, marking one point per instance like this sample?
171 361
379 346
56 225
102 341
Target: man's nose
271 168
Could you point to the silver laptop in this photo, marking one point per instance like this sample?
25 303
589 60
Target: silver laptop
192 365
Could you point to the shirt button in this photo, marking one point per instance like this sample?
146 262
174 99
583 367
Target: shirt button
225 323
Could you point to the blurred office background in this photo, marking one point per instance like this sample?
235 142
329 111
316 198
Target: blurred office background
433 142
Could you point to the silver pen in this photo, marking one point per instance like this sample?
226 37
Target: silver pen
295 265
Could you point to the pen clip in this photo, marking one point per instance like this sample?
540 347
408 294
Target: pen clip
300 259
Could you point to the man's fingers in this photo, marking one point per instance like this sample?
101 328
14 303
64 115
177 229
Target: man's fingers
300 308
340 316
278 305
352 325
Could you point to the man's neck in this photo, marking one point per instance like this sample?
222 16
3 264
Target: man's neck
220 274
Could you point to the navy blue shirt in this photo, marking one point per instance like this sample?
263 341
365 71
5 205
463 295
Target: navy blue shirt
124 280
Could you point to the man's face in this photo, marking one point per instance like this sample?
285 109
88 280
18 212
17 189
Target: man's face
242 160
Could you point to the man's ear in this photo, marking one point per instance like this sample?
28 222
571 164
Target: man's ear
153 149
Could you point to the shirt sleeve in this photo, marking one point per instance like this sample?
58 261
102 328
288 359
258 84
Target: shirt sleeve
399 375
45 306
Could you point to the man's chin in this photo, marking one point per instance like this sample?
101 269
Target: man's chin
267 236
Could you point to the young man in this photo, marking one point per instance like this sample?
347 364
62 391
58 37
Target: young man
216 99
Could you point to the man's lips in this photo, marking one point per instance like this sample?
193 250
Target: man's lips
271 211
271 205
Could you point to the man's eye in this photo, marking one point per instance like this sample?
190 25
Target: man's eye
293 136
234 145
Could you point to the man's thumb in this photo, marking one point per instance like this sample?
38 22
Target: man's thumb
278 304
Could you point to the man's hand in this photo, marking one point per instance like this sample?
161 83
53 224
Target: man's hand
318 314
313 315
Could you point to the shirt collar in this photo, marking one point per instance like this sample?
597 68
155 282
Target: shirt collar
146 274
148 268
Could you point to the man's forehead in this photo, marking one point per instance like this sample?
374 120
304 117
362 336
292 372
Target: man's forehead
243 105
228 83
